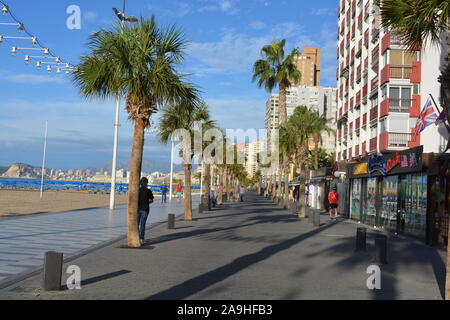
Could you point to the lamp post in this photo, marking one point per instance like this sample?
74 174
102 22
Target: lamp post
112 202
171 169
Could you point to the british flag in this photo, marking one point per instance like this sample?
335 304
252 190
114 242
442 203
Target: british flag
427 117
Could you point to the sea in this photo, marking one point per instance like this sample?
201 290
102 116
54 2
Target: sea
57 185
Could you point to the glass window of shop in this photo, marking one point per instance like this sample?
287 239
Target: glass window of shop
355 199
389 202
370 212
413 205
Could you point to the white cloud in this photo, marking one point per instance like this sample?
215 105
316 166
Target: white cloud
324 12
33 78
226 6
235 52
90 15
257 25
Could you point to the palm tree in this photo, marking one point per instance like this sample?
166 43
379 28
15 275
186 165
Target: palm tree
415 22
277 69
139 62
184 116
320 126
288 148
302 122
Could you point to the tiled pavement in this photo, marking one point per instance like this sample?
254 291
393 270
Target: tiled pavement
24 240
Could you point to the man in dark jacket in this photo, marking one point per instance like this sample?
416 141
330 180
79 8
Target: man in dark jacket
145 199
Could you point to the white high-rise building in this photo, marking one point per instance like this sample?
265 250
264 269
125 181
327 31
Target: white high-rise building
252 150
320 99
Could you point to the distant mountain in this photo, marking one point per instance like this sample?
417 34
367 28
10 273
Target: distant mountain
22 170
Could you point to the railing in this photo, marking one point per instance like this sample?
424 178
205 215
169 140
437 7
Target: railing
366 10
399 140
364 121
373 144
364 92
400 105
374 113
374 84
360 21
375 54
358 123
400 72
366 38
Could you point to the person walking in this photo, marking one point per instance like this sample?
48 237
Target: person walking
179 192
145 199
242 193
333 198
164 194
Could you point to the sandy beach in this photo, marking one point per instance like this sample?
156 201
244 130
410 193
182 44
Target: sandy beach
17 203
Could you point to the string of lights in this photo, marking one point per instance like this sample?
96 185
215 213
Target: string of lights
36 45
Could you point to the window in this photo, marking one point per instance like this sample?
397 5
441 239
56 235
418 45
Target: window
400 99
402 58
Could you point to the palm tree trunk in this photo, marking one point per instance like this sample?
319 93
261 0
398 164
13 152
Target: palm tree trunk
221 183
187 193
316 155
302 192
287 203
207 184
282 101
135 176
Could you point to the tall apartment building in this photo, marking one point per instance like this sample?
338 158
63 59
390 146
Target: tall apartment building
320 99
308 63
252 150
381 86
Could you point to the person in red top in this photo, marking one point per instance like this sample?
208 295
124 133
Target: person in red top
333 198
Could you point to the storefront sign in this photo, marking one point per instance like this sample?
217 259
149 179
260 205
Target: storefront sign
360 169
377 164
392 163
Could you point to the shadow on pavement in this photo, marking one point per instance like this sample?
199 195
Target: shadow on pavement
202 282
101 278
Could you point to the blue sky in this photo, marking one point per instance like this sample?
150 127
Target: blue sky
225 39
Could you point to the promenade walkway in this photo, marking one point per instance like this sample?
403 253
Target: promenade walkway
252 250
24 240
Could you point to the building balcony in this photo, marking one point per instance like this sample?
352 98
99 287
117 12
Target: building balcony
364 94
374 85
373 144
357 151
375 56
359 49
364 120
398 105
374 113
358 123
366 38
360 21
403 72
386 42
396 141
363 148
358 99
366 10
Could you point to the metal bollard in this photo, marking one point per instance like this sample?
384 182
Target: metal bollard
53 263
316 218
361 237
310 216
380 249
171 222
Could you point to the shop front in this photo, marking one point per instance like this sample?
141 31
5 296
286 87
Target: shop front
319 187
390 192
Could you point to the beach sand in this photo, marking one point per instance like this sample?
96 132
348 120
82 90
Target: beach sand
17 203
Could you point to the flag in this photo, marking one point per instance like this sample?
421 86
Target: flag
442 117
426 117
